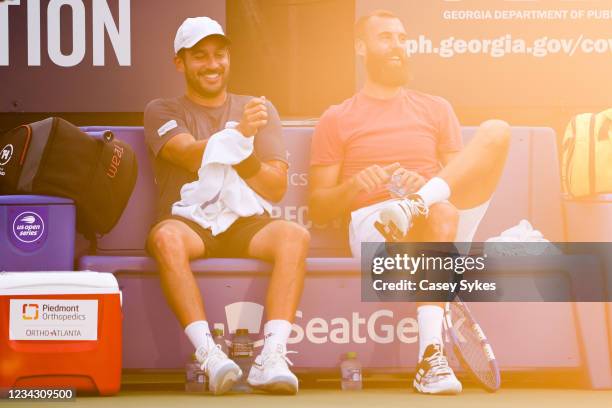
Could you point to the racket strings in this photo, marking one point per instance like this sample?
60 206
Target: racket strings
471 347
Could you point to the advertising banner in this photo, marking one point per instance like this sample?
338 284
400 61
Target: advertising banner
49 319
91 55
498 53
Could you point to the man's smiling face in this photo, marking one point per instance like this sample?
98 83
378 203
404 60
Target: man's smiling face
206 66
384 49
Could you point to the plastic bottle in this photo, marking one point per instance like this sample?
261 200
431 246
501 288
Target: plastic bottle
242 354
395 187
350 370
220 340
195 377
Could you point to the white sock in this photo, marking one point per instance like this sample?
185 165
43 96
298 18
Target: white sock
434 191
430 319
276 332
199 334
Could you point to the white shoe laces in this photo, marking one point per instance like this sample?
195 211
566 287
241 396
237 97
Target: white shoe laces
277 356
439 365
413 208
209 358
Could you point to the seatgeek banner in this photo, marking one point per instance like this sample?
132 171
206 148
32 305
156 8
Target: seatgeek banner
91 55
504 53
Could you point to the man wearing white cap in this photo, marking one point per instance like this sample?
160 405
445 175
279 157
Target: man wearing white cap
177 131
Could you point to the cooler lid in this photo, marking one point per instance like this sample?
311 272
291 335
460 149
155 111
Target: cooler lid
57 283
33 200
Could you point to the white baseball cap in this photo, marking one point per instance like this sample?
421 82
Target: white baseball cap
195 29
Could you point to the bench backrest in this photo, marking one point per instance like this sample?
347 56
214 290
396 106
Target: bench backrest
529 188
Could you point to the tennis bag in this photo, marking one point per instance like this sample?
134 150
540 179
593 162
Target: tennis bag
587 155
54 157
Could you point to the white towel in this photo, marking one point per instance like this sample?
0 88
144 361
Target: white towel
519 240
361 228
220 196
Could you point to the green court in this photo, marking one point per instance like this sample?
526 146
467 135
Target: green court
369 398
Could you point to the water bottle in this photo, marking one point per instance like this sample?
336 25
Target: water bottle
242 354
220 340
350 370
195 377
395 187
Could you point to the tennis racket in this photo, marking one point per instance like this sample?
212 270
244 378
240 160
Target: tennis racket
471 345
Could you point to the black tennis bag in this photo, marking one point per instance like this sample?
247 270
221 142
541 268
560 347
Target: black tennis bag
54 157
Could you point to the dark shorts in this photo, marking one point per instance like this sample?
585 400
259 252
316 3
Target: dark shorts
233 242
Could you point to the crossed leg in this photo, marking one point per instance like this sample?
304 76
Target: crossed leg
472 177
473 174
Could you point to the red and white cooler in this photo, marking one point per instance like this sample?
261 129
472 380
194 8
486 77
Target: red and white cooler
60 330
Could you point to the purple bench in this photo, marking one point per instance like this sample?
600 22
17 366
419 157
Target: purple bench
529 188
331 319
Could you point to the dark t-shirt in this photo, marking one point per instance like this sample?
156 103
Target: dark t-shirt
166 118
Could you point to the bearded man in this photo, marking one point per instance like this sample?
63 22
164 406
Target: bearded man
392 160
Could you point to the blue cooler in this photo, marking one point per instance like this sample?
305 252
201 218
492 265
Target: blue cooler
36 233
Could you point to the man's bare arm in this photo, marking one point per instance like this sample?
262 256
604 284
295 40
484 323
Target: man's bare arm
184 151
329 199
270 182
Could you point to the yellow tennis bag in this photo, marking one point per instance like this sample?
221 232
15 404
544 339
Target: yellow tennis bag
587 155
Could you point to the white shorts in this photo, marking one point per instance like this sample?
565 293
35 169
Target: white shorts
361 228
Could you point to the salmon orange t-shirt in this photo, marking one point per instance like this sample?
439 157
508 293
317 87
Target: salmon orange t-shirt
411 128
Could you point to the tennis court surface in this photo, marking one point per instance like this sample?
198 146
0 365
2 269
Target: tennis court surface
370 398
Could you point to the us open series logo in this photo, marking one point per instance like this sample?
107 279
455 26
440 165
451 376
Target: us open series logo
28 227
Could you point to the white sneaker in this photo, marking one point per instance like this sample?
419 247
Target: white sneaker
434 376
403 213
271 373
222 372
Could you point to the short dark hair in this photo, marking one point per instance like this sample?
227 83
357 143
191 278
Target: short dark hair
361 24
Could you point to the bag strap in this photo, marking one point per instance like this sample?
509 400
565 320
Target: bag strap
592 166
567 142
604 130
568 151
27 143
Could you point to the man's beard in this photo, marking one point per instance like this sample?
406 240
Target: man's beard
387 73
193 82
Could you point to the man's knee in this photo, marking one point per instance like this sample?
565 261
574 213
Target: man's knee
496 134
165 241
443 220
292 239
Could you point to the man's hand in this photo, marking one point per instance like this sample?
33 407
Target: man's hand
254 117
373 177
406 182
